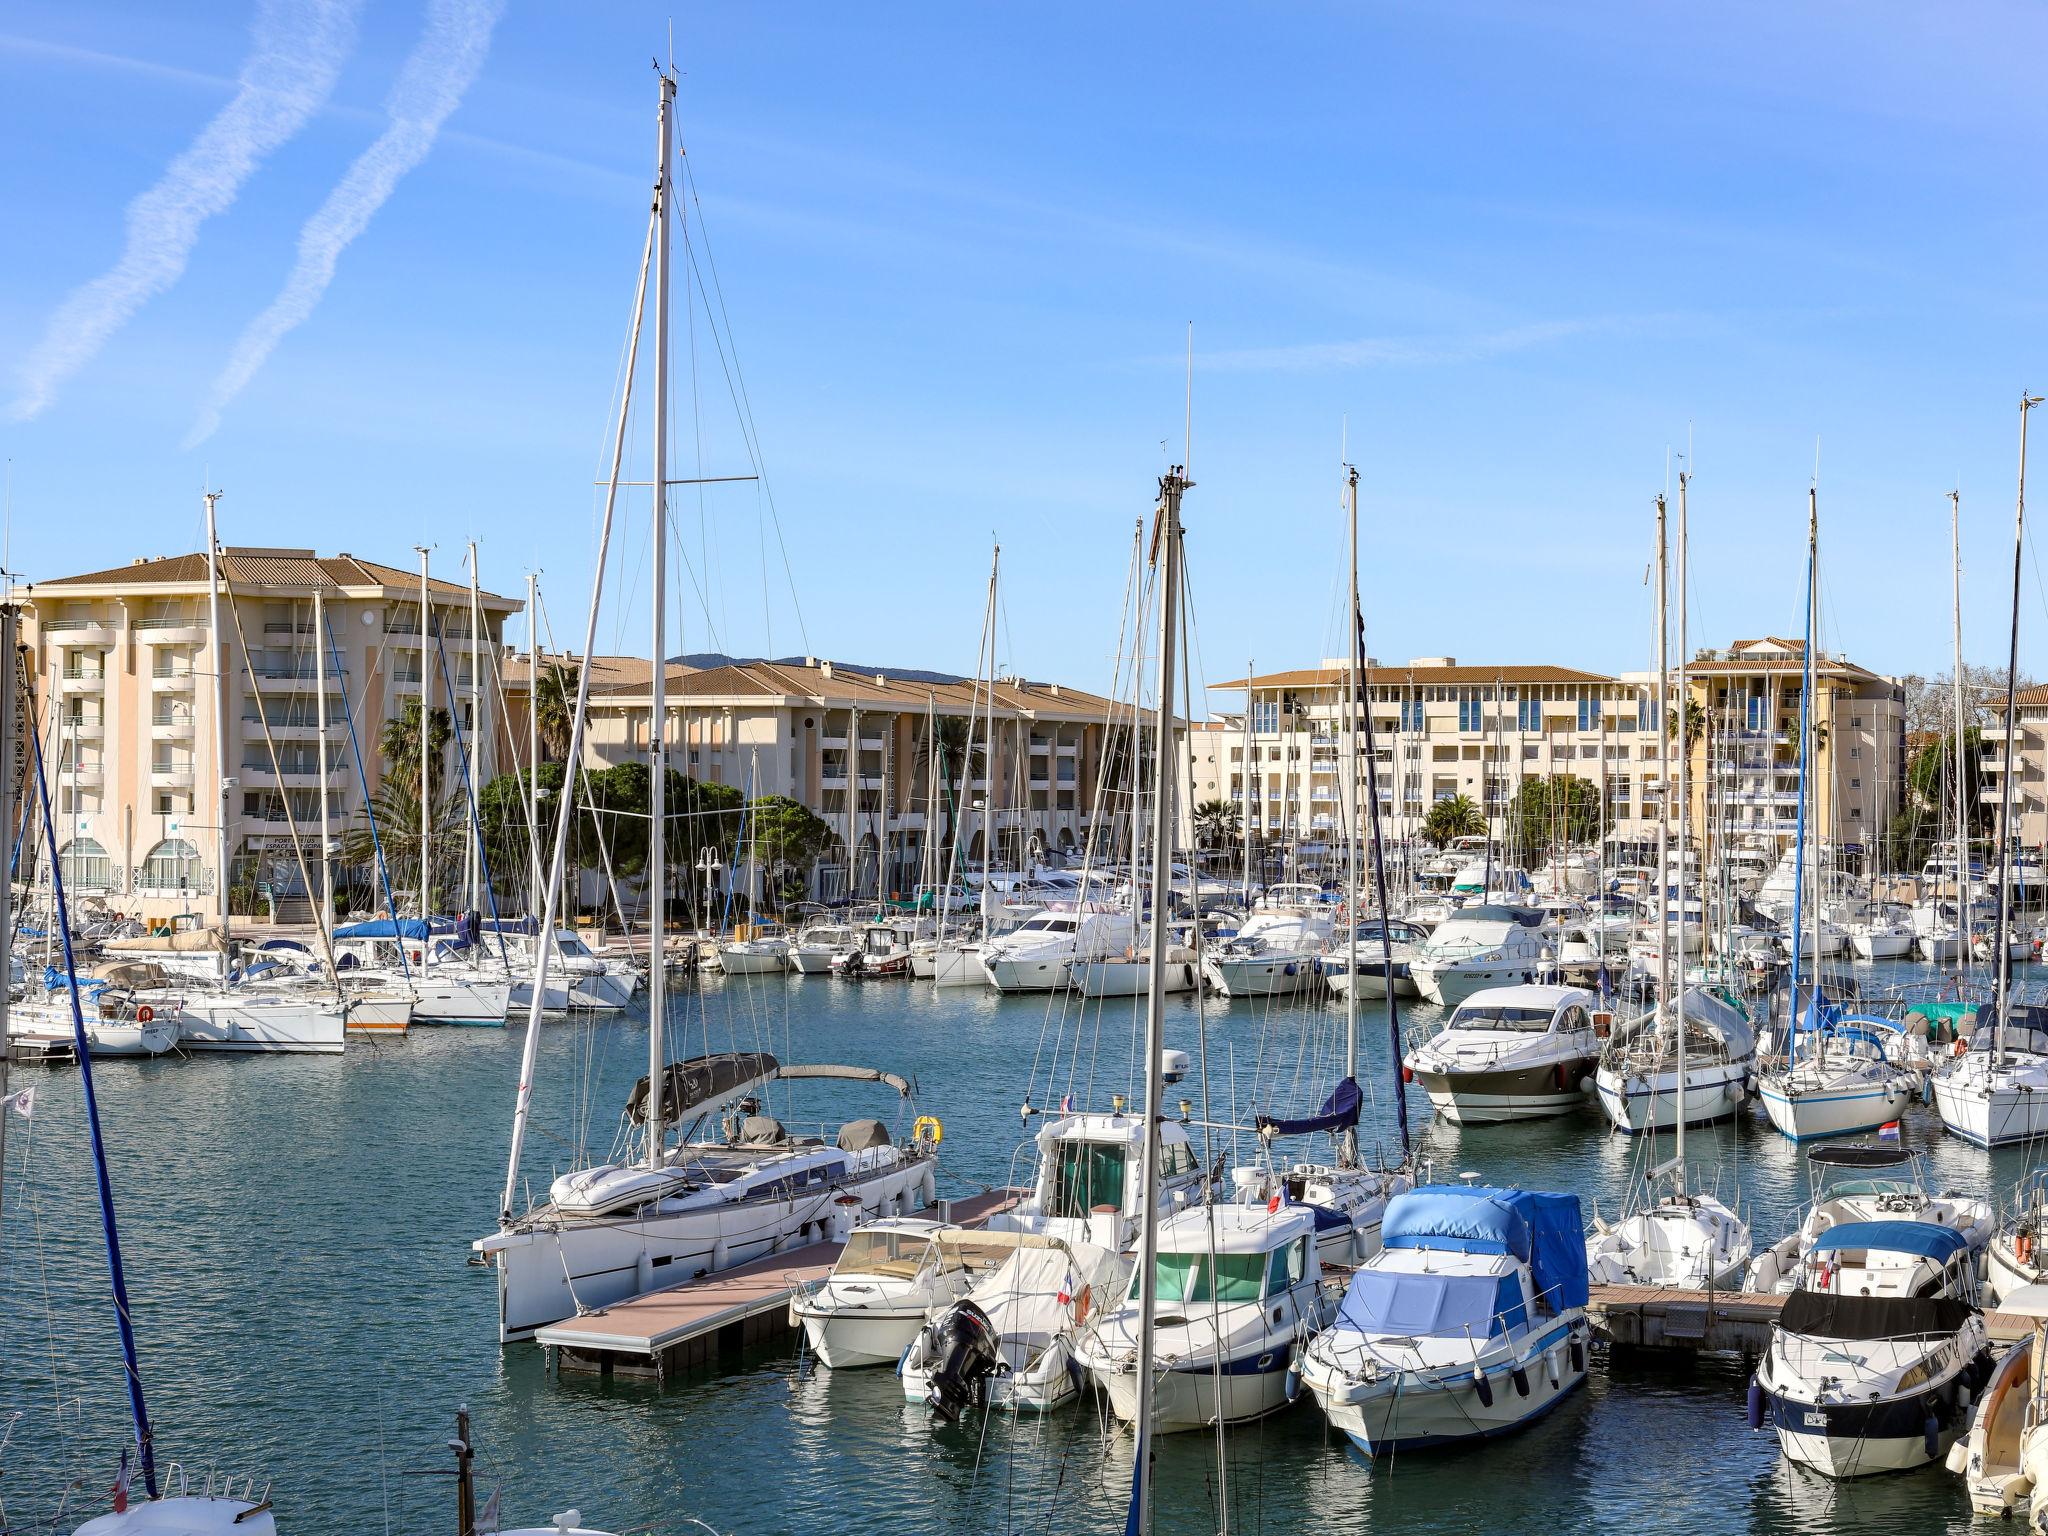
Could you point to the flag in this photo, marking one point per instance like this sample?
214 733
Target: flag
1066 1104
487 1517
1888 1131
121 1486
1277 1201
22 1103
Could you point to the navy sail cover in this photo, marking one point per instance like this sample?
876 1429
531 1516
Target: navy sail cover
1543 1230
1339 1113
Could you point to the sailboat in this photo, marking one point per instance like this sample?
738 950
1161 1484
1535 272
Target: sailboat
1682 1236
743 1185
1997 1091
954 959
1844 1081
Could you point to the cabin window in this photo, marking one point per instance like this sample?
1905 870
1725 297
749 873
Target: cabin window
1194 1277
1177 1158
1084 1175
1289 1265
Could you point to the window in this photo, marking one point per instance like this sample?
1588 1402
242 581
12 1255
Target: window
172 865
1858 783
1649 715
1855 751
1085 1175
1529 715
1411 714
1266 716
1589 714
1855 722
1468 712
86 866
1194 1277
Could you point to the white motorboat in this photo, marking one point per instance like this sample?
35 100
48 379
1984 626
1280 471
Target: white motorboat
1640 1079
1239 1288
1874 1362
1840 1079
1469 1323
1385 953
1273 953
1686 1239
2005 1454
1480 947
889 1277
1130 975
226 1513
880 953
764 952
818 945
1856 1182
1510 1053
1996 1091
619 1229
1035 957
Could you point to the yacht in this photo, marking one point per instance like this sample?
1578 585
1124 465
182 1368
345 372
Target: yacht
1130 974
889 1277
1237 1287
763 952
1639 1077
1479 947
1510 1053
1274 953
1996 1091
1854 1182
1839 1079
2005 1455
1885 935
1470 1321
1686 1239
1876 1357
619 1229
1035 957
817 946
879 953
1386 950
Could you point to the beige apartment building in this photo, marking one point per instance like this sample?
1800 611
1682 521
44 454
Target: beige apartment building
124 680
2030 787
1447 728
861 750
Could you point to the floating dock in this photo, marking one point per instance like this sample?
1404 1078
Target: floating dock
688 1324
1730 1322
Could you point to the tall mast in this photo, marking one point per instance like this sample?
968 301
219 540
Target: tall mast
426 774
1245 786
1353 667
1171 486
320 683
1805 782
657 731
1664 809
1955 540
2012 669
476 731
220 720
1684 812
10 822
533 893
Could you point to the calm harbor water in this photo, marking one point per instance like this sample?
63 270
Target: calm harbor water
296 1233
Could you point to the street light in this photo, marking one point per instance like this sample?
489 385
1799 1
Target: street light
709 864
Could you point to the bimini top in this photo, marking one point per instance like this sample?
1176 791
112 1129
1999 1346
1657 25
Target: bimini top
1924 1238
1825 1315
1543 1230
1859 1154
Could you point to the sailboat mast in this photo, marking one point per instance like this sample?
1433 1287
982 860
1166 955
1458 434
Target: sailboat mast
1684 808
533 893
10 822
1962 836
326 895
1245 787
220 719
476 731
2012 670
657 730
1664 798
1353 668
1805 778
426 773
1171 487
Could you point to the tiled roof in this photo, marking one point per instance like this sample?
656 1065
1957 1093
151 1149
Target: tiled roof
1333 677
608 674
1784 665
278 569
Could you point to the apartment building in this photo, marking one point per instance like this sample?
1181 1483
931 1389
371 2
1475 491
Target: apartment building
861 749
124 671
2030 786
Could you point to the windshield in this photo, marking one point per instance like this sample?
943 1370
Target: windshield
1189 1277
1085 1174
1501 1016
898 1255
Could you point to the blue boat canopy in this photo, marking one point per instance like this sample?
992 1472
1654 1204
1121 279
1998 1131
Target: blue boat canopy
1339 1113
1542 1229
1918 1237
404 928
1390 1302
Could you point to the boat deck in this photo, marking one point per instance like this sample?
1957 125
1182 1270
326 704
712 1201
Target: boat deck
688 1324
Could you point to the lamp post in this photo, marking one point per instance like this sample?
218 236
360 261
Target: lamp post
708 865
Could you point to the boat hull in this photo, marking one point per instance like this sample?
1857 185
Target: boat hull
1025 975
1993 1119
1813 1113
455 1000
256 1026
1514 1093
846 1341
1651 1102
1129 978
958 967
1188 1397
1448 986
1266 976
1449 1410
752 962
1845 1440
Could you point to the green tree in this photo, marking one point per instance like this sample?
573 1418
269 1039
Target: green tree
1559 811
554 705
1930 777
940 751
786 838
398 748
1453 816
395 809
1216 823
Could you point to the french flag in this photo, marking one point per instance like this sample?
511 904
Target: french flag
1888 1131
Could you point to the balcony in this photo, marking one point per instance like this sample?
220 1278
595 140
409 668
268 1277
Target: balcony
172 631
170 727
170 775
85 728
175 681
252 730
93 632
256 776
82 682
86 775
833 743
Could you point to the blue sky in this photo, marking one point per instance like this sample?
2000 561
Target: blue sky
1523 251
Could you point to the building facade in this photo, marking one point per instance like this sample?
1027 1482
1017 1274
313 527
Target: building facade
124 669
2030 752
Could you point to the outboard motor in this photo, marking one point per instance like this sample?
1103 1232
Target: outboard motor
960 1348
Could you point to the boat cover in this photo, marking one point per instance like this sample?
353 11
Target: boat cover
1825 1315
1542 1229
1389 1303
1859 1154
187 941
701 1080
1034 1295
844 1074
1924 1238
385 928
1339 1113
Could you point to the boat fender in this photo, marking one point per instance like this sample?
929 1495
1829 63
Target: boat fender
721 1255
1520 1378
1293 1383
1578 1357
1963 1395
1564 1076
1483 1387
1407 1073
1756 1403
145 1014
1930 1430
1556 1372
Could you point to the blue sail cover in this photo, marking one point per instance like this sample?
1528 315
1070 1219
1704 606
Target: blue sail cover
1542 1229
1339 1113
1917 1237
385 928
1388 1303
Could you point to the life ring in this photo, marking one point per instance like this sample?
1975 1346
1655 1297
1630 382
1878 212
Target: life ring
145 1014
926 1128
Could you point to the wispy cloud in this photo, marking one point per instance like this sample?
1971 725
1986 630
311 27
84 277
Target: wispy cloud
431 84
1395 351
298 49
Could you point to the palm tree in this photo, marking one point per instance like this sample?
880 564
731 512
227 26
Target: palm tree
1453 816
940 751
1216 823
399 746
554 705
395 808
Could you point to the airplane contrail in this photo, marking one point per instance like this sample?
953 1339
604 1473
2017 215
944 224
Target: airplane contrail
298 48
443 65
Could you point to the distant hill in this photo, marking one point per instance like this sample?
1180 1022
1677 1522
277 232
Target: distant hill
704 660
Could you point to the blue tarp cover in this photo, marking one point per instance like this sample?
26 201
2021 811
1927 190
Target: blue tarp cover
1387 1302
1339 1112
384 928
1921 1237
1544 1230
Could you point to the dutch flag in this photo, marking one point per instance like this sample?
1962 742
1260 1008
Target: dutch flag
1889 1131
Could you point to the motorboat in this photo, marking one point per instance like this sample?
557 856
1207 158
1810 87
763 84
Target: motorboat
1885 935
1641 1081
1274 952
1684 1238
1840 1078
763 952
1855 1182
891 1275
1480 947
1510 1053
2005 1454
880 954
1995 1091
1385 950
1877 1355
1130 975
616 1230
1238 1290
818 945
1035 957
1469 1323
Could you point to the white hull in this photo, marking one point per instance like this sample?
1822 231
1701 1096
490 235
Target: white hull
844 1342
818 962
959 966
1264 976
457 1000
596 993
1049 1383
1187 1398
1881 946
753 962
1643 1103
1129 978
109 1039
1991 1119
1451 985
258 1024
1836 1111
1042 974
1941 951
1414 1413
